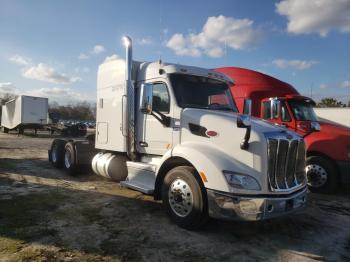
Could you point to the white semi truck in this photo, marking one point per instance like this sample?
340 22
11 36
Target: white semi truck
166 130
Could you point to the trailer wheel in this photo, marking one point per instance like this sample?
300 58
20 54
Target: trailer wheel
70 162
57 153
184 197
321 175
6 130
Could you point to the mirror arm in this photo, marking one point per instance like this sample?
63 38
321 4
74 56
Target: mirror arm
165 120
245 142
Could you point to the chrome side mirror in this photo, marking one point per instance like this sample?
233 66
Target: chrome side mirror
275 108
315 126
247 107
243 121
146 98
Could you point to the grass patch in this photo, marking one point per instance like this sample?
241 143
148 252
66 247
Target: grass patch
10 246
7 164
91 214
20 213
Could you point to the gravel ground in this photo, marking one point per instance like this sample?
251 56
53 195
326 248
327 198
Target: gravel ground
46 215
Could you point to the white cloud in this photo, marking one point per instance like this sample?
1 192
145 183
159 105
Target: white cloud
182 46
111 58
98 49
46 73
58 94
145 41
346 84
84 69
315 16
8 87
323 86
20 60
216 33
295 64
83 56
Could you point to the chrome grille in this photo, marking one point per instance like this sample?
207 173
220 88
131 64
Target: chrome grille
286 163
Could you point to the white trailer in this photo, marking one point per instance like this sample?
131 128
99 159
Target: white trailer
166 130
24 111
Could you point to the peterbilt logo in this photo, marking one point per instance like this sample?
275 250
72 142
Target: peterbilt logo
289 136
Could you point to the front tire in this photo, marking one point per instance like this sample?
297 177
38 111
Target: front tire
184 197
321 175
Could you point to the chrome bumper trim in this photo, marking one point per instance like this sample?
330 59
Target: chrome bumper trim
233 207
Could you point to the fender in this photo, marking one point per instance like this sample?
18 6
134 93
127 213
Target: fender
208 159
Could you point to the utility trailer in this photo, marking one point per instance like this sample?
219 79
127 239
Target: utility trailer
174 132
24 112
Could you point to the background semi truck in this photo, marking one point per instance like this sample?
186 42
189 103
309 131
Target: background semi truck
24 112
160 131
328 151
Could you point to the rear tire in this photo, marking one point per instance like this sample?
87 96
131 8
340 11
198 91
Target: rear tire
70 161
184 197
321 175
57 153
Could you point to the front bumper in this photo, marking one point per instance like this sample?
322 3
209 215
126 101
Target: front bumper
228 206
344 171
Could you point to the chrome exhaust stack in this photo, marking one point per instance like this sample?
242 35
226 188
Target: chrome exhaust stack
129 113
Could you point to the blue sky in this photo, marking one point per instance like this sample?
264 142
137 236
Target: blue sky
53 48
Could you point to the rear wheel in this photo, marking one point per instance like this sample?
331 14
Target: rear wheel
70 162
184 197
321 175
57 153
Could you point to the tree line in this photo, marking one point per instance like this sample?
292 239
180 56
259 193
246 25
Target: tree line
331 102
78 111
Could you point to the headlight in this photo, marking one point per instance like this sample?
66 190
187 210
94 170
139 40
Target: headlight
241 181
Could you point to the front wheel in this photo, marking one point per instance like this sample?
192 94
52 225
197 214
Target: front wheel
184 197
321 175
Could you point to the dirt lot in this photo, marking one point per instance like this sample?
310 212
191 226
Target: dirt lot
46 215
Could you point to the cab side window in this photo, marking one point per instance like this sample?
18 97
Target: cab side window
285 116
266 110
161 99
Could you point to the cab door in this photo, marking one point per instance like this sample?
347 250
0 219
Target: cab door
154 137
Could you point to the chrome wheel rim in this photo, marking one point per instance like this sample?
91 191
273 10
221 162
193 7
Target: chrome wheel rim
67 159
316 175
180 197
54 154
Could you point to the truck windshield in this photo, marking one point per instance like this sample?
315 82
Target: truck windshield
202 92
302 110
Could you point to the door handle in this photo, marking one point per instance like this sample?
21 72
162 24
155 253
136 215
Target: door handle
143 144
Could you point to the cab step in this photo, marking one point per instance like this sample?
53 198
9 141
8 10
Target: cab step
141 177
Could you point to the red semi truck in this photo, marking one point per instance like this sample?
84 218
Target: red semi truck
328 151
